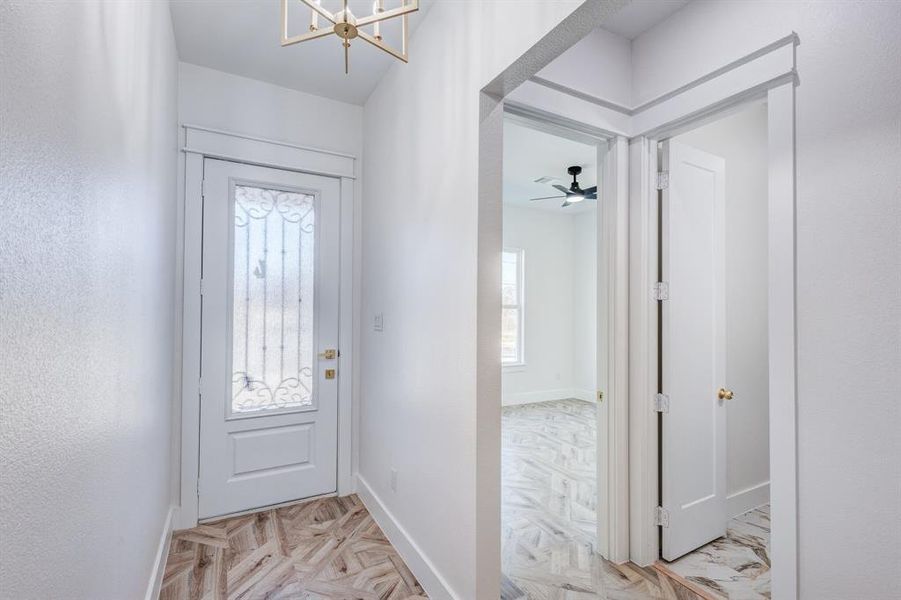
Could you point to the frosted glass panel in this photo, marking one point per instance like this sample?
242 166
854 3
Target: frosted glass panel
273 304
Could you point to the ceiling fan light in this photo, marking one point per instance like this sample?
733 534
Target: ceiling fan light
575 198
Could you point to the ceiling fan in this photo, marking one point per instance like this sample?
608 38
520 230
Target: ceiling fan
573 193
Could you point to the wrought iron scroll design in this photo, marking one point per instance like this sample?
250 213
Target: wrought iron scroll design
272 345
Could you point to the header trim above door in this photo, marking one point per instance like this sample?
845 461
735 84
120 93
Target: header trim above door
243 148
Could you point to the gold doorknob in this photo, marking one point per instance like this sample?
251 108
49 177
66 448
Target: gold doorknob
725 394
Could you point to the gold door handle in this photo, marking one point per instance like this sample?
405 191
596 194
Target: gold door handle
725 394
329 354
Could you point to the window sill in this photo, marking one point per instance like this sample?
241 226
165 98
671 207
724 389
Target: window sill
513 367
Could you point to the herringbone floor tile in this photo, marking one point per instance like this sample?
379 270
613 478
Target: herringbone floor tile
548 511
327 548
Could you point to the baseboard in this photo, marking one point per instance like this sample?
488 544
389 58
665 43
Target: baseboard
159 562
748 499
544 396
435 586
586 395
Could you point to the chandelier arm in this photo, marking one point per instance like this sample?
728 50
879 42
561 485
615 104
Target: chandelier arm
388 14
320 10
381 45
312 35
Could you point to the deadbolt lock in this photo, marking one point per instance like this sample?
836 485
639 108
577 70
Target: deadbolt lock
329 354
330 373
725 394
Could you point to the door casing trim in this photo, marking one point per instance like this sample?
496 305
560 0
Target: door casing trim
644 469
198 143
768 72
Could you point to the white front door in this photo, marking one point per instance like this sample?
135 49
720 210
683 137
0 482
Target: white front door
693 349
269 410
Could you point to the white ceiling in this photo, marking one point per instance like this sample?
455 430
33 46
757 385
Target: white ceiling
242 37
530 154
637 17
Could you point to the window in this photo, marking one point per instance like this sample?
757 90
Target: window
512 317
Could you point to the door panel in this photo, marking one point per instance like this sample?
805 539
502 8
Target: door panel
693 349
270 309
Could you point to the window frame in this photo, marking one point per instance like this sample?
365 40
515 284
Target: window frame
519 307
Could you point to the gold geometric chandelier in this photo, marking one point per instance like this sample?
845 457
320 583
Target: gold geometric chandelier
347 26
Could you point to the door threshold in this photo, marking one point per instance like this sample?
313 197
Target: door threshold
251 511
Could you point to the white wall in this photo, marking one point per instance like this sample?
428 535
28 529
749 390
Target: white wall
546 239
418 378
585 304
220 100
599 65
848 263
87 193
560 284
741 139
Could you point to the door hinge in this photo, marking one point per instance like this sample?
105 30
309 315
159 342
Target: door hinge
662 180
661 403
660 291
201 287
203 189
661 517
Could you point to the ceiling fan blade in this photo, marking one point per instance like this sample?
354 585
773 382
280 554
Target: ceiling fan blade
545 198
565 190
565 204
592 190
591 196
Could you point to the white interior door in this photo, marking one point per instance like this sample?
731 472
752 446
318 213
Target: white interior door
693 349
269 416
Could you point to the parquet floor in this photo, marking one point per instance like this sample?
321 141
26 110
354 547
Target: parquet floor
548 503
327 548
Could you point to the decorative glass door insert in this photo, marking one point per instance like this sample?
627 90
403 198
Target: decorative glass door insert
274 300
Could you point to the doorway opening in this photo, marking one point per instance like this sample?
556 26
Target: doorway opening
713 353
550 360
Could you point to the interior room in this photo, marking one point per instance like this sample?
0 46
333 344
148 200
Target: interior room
280 319
549 354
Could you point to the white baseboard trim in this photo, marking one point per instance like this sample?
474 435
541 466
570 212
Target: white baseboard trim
435 586
159 562
546 395
747 499
586 395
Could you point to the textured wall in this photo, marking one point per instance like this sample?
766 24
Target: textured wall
87 194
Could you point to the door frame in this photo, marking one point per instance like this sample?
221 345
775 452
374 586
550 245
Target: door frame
771 74
769 71
199 143
612 318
